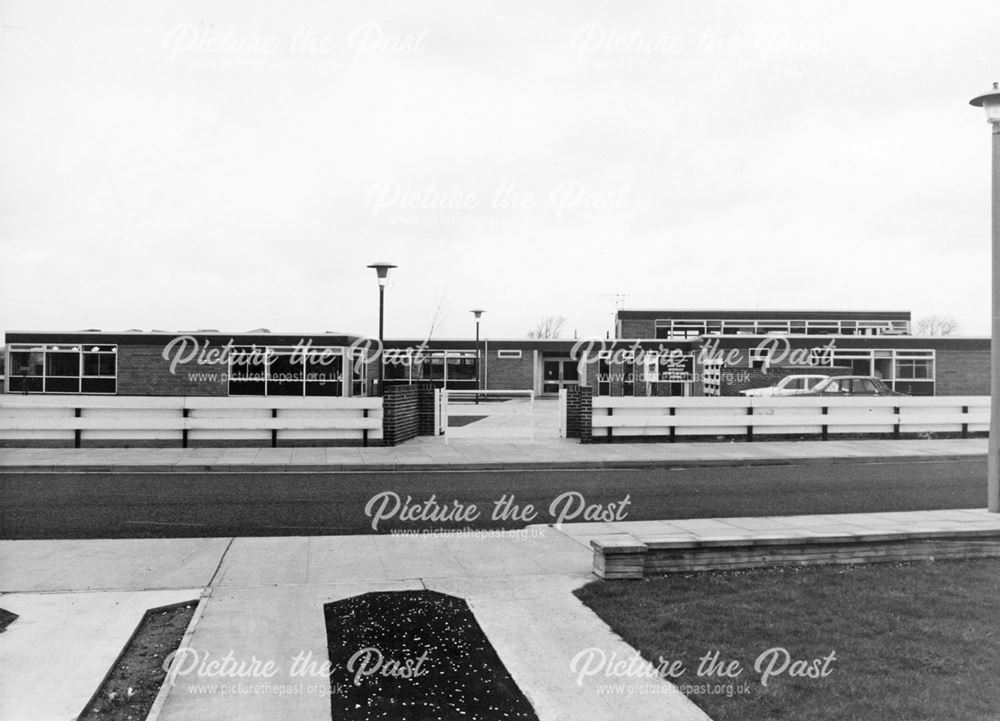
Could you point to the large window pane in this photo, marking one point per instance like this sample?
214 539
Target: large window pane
314 388
906 368
247 363
246 388
433 368
915 388
98 385
25 384
54 384
62 364
285 388
324 368
99 364
26 363
461 369
285 367
397 367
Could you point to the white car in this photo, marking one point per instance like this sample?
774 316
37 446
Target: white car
787 386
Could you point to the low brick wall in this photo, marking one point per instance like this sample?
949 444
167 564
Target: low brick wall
407 412
635 559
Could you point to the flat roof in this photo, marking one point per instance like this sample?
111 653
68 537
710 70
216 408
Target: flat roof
718 314
158 336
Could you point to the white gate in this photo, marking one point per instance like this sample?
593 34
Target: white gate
440 411
562 413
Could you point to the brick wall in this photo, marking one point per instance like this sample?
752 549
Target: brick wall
963 372
579 412
637 328
400 414
142 371
509 373
407 412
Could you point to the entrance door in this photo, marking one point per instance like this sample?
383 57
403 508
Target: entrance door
558 373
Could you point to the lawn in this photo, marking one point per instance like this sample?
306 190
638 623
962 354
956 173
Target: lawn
913 642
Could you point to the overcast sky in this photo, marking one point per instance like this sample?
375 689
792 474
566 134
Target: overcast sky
185 165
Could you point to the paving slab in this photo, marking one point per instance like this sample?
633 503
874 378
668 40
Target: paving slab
457 453
138 564
55 656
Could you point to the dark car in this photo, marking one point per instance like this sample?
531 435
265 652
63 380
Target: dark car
848 386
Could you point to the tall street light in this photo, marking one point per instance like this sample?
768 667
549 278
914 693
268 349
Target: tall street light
991 103
479 364
382 269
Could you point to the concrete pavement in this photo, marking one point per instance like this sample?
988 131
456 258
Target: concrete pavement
55 656
264 599
429 453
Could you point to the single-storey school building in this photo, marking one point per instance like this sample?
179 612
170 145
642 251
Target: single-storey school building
656 353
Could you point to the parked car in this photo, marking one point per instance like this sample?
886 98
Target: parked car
787 386
847 386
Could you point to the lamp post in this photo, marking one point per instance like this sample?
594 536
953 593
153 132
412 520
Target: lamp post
990 102
382 269
479 314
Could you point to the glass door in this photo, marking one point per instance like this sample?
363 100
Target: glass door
558 373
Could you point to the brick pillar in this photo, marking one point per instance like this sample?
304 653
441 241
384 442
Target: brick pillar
425 409
572 412
400 414
585 411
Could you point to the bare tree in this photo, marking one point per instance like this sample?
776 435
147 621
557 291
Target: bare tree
437 319
936 325
549 326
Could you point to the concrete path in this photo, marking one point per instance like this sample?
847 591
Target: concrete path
517 418
267 597
427 453
265 600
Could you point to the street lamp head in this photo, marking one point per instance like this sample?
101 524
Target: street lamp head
990 102
383 271
478 313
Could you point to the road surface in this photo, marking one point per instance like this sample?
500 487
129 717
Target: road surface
137 505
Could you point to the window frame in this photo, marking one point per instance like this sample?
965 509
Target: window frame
269 355
82 352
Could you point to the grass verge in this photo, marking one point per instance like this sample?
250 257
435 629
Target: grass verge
918 641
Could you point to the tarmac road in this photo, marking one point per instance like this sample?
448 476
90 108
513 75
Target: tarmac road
183 505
